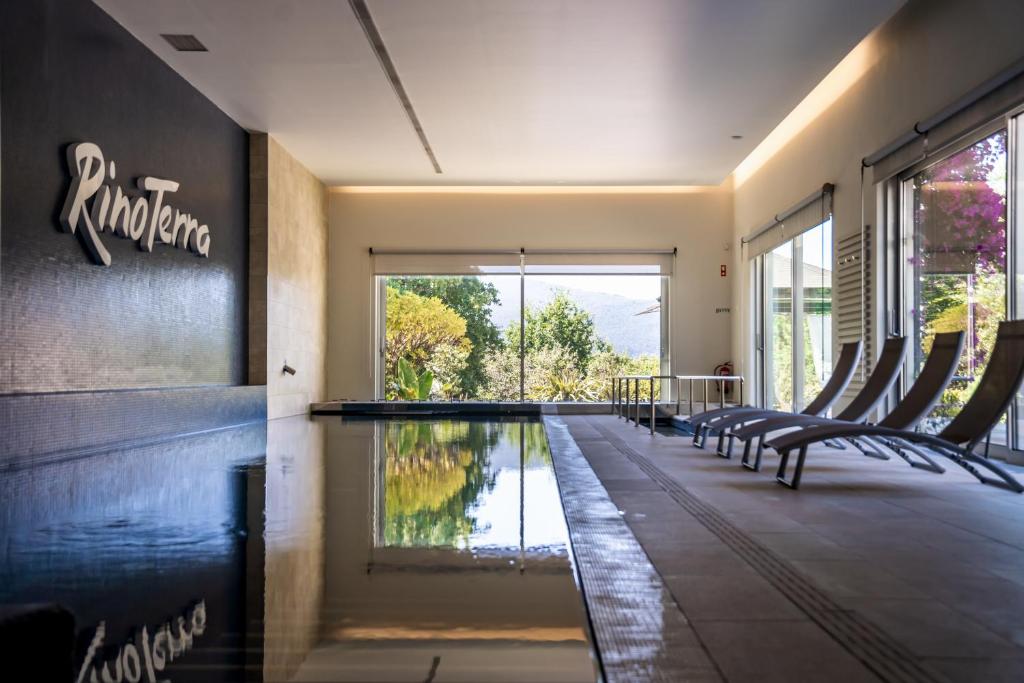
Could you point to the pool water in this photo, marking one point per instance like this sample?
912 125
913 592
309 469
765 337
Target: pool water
306 550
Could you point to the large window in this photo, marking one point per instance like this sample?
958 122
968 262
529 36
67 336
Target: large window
953 260
794 318
446 337
551 332
582 330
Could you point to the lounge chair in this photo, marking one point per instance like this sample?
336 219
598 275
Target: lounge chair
922 396
977 418
842 373
887 369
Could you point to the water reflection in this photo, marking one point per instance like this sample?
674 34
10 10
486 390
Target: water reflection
318 551
467 485
463 556
136 539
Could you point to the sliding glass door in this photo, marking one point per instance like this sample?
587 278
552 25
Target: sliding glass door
583 330
793 323
954 247
779 327
445 337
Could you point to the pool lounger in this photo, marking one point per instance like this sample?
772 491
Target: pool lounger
956 442
887 369
924 393
842 373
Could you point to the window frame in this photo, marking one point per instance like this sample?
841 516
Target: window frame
378 340
896 209
763 342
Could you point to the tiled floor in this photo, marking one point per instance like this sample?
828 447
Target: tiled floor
871 570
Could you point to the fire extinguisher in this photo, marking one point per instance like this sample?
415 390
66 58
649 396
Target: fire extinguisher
724 370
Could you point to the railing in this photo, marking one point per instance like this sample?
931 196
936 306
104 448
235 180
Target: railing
621 407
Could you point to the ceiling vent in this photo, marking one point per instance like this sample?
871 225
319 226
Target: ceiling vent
184 42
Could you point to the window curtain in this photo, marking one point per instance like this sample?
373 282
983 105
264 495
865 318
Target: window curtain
444 263
810 213
978 108
537 262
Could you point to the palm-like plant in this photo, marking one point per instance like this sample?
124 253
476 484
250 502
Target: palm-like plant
413 387
570 385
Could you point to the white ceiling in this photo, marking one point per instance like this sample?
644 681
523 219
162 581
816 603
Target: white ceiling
533 92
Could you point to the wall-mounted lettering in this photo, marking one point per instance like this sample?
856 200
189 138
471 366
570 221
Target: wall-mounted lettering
145 220
143 657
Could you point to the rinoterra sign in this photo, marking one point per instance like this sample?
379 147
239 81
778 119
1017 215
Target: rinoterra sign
143 219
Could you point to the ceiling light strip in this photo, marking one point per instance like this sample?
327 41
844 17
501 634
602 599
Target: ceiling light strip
362 13
524 189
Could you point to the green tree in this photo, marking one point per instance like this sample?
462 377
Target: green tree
429 336
561 324
473 299
605 365
782 360
501 371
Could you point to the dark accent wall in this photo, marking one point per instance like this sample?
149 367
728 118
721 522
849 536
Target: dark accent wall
168 318
59 426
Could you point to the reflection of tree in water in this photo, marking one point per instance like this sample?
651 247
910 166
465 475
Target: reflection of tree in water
536 452
435 471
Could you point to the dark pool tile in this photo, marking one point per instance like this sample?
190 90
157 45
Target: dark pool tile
804 546
641 633
779 651
844 579
741 595
704 559
754 522
979 670
993 602
631 484
931 629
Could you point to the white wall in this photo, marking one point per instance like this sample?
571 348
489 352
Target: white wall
698 223
929 54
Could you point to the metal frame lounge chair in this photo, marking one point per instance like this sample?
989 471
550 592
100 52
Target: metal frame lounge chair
842 373
922 396
957 441
887 369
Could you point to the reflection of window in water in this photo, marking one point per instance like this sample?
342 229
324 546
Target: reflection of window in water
465 485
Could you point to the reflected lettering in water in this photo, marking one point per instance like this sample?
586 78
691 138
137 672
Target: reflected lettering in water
143 657
309 550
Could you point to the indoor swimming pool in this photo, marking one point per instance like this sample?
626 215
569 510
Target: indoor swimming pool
325 549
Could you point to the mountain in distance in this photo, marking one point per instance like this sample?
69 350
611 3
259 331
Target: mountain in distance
614 316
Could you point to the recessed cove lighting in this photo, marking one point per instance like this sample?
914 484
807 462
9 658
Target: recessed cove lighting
184 42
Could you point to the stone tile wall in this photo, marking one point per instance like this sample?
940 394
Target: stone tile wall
293 311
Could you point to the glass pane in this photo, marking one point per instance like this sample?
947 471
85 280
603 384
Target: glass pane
957 250
444 338
779 325
816 282
1017 263
758 295
582 330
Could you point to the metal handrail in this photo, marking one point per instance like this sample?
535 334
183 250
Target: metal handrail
622 408
719 379
623 382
